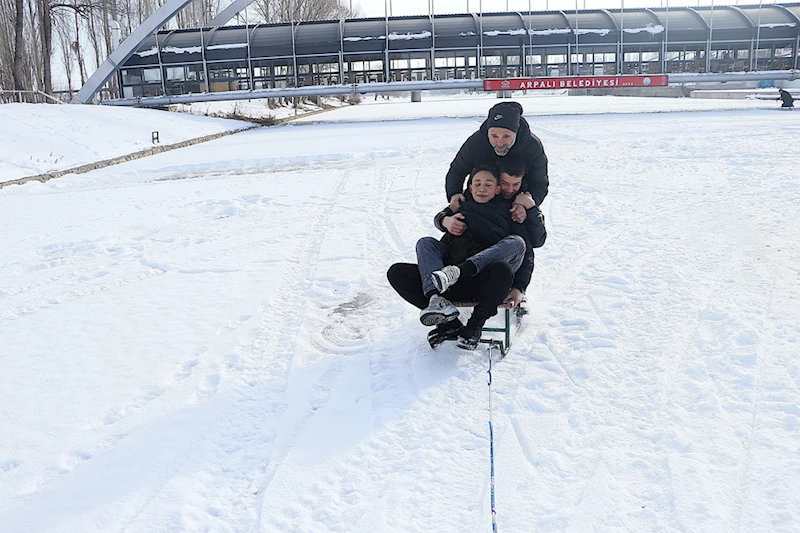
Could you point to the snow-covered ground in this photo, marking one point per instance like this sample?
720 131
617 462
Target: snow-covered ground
35 139
204 340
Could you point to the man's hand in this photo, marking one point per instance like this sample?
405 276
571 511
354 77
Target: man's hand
520 205
455 224
525 200
518 213
514 297
455 202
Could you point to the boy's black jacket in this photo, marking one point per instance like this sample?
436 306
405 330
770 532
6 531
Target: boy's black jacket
487 224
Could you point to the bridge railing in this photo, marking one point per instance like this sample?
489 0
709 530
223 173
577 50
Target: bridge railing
27 97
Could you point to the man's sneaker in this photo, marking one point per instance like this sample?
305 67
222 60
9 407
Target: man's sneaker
439 310
469 337
446 277
444 332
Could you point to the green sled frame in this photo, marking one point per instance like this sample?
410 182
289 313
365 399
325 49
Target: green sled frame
511 314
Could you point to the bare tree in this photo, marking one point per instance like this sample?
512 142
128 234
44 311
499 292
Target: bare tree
64 30
19 44
78 33
272 11
46 31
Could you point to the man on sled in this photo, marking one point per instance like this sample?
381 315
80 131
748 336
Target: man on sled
484 256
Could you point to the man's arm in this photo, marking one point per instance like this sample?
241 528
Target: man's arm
523 275
534 226
460 168
536 180
519 207
536 236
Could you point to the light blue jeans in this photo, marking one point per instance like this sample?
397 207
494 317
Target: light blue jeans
431 254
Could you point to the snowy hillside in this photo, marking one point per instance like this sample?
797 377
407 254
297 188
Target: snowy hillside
35 139
205 340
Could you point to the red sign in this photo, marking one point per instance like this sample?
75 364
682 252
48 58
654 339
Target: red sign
574 82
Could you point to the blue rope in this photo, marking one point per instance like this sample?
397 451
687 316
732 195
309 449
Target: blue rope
491 443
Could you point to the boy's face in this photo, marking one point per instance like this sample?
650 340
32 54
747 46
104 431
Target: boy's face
484 187
509 185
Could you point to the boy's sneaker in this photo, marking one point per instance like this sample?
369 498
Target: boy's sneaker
469 337
446 277
444 332
439 310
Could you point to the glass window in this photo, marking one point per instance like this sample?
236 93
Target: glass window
151 75
553 59
742 54
690 55
132 76
512 60
783 52
417 63
763 53
631 57
673 56
176 73
649 56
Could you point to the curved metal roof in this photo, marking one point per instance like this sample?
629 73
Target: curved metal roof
369 37
593 26
639 25
410 33
456 31
726 18
774 21
312 38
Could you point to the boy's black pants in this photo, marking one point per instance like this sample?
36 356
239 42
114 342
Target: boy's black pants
489 288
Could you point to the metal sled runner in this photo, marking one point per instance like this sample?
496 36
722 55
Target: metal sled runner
503 344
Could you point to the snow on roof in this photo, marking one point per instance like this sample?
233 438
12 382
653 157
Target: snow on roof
650 28
189 49
495 33
580 31
394 36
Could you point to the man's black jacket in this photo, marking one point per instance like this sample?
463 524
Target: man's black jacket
477 150
487 224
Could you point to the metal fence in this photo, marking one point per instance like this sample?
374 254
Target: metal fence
27 97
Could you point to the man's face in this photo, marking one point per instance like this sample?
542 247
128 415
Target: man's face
483 187
509 185
501 140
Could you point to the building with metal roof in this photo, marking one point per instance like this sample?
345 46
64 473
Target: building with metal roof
716 39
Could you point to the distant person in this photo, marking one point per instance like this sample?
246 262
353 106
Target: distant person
503 132
786 96
477 264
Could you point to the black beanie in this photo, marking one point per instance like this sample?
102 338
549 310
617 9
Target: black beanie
505 115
